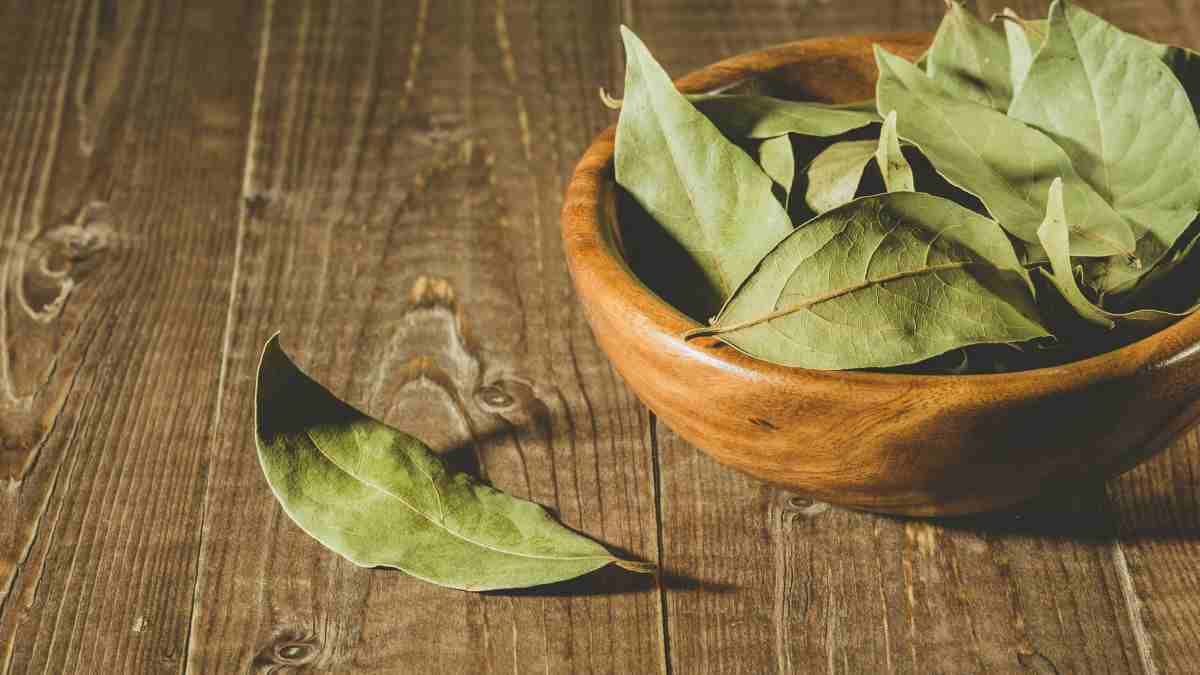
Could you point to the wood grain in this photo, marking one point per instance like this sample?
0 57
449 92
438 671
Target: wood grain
381 181
400 230
122 135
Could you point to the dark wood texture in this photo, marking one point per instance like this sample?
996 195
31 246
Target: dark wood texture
381 181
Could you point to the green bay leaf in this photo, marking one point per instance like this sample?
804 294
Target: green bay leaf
882 281
706 192
896 171
777 160
969 59
1006 164
1128 126
379 497
833 176
1024 39
1053 236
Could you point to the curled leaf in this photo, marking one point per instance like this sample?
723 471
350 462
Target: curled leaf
1008 165
897 174
379 497
833 176
1053 235
1127 125
706 192
1024 39
882 281
777 160
970 60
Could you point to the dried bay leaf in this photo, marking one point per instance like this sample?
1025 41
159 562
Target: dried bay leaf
882 281
897 174
1053 235
1126 123
753 116
1171 282
1024 40
833 176
707 193
970 60
1008 165
380 497
777 160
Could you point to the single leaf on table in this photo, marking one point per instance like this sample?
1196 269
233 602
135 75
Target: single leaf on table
1126 123
702 189
380 497
1024 39
777 160
1053 235
833 176
897 174
882 281
1008 165
969 59
752 116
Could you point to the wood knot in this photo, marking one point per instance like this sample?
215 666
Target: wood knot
1036 662
255 204
432 291
53 263
289 652
493 398
765 424
797 507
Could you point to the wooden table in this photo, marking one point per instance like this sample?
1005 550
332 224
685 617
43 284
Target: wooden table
381 182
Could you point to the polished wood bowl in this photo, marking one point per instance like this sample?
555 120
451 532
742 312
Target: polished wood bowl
906 444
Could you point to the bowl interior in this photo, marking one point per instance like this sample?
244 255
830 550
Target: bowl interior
661 263
669 272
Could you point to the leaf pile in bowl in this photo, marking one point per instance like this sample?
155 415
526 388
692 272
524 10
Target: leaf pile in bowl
1016 198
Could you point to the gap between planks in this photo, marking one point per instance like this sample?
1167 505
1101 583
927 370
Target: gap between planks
664 635
264 42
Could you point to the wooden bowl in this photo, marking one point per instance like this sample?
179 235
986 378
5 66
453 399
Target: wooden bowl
906 444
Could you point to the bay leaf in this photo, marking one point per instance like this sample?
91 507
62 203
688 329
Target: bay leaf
706 192
777 160
754 116
969 59
1053 236
1126 123
865 106
1008 165
1185 64
1024 39
882 281
897 174
833 176
1170 283
379 497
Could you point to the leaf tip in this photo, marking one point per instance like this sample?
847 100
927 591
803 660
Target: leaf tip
636 566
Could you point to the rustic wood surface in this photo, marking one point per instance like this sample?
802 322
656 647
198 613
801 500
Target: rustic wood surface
381 181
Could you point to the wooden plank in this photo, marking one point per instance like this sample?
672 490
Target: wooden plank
401 229
806 587
122 137
1156 507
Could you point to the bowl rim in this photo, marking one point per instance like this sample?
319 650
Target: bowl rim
599 270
